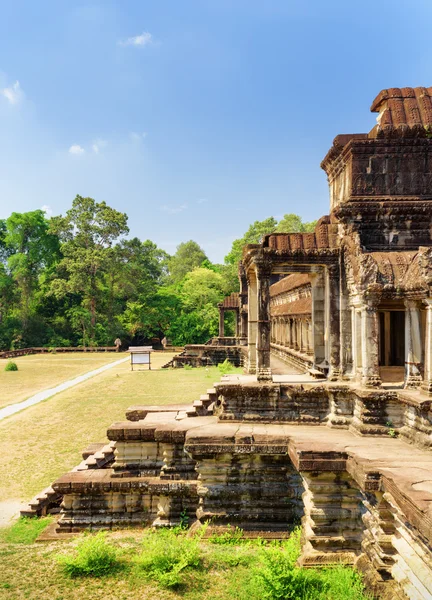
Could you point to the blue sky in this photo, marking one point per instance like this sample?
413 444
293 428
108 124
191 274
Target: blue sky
194 117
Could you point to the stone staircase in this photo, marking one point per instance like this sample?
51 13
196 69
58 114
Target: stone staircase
95 456
42 504
102 456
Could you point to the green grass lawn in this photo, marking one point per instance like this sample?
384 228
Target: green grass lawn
43 371
41 443
163 565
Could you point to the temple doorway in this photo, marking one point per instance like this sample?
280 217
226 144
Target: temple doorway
392 345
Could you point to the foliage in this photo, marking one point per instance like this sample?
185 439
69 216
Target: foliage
291 223
87 233
24 531
11 366
167 557
222 571
94 557
75 280
252 236
188 256
225 367
232 536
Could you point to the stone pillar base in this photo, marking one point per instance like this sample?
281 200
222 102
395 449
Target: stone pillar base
334 375
372 381
413 382
264 375
426 387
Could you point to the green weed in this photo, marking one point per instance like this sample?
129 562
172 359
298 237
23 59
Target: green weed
11 366
166 558
233 535
225 367
94 557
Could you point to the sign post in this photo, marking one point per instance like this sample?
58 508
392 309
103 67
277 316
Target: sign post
140 355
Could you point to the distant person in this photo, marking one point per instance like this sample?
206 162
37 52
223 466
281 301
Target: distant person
164 342
117 344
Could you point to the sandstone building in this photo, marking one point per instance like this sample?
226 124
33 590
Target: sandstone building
348 454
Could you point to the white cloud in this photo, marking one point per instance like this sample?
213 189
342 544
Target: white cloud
13 94
173 210
98 145
202 200
145 39
47 210
76 149
137 137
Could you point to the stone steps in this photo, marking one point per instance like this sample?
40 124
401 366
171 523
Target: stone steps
41 504
100 459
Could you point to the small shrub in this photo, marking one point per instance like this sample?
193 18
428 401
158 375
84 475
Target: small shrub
188 367
232 536
24 531
167 557
94 557
184 519
225 367
11 366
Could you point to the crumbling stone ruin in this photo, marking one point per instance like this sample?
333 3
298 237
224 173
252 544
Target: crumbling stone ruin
349 454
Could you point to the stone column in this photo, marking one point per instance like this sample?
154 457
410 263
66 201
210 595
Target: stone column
244 324
301 328
369 339
333 297
263 272
309 339
412 344
356 338
221 320
318 319
252 321
427 383
237 323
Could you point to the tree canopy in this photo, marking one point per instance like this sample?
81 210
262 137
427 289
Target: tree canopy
77 279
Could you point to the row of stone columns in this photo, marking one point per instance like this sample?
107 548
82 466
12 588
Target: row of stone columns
293 332
365 338
325 344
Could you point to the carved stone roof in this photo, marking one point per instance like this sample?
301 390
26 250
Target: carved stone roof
324 236
231 301
288 283
404 107
301 306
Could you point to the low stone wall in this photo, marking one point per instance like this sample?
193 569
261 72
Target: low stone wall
202 355
299 360
27 351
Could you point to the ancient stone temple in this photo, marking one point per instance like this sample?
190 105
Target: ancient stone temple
365 303
348 454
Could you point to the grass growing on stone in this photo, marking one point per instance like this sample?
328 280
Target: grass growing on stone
43 371
168 565
41 443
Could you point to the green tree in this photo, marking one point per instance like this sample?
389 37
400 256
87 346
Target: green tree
31 248
252 236
291 223
188 256
87 233
200 287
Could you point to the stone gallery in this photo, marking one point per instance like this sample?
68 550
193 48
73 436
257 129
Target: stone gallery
344 444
